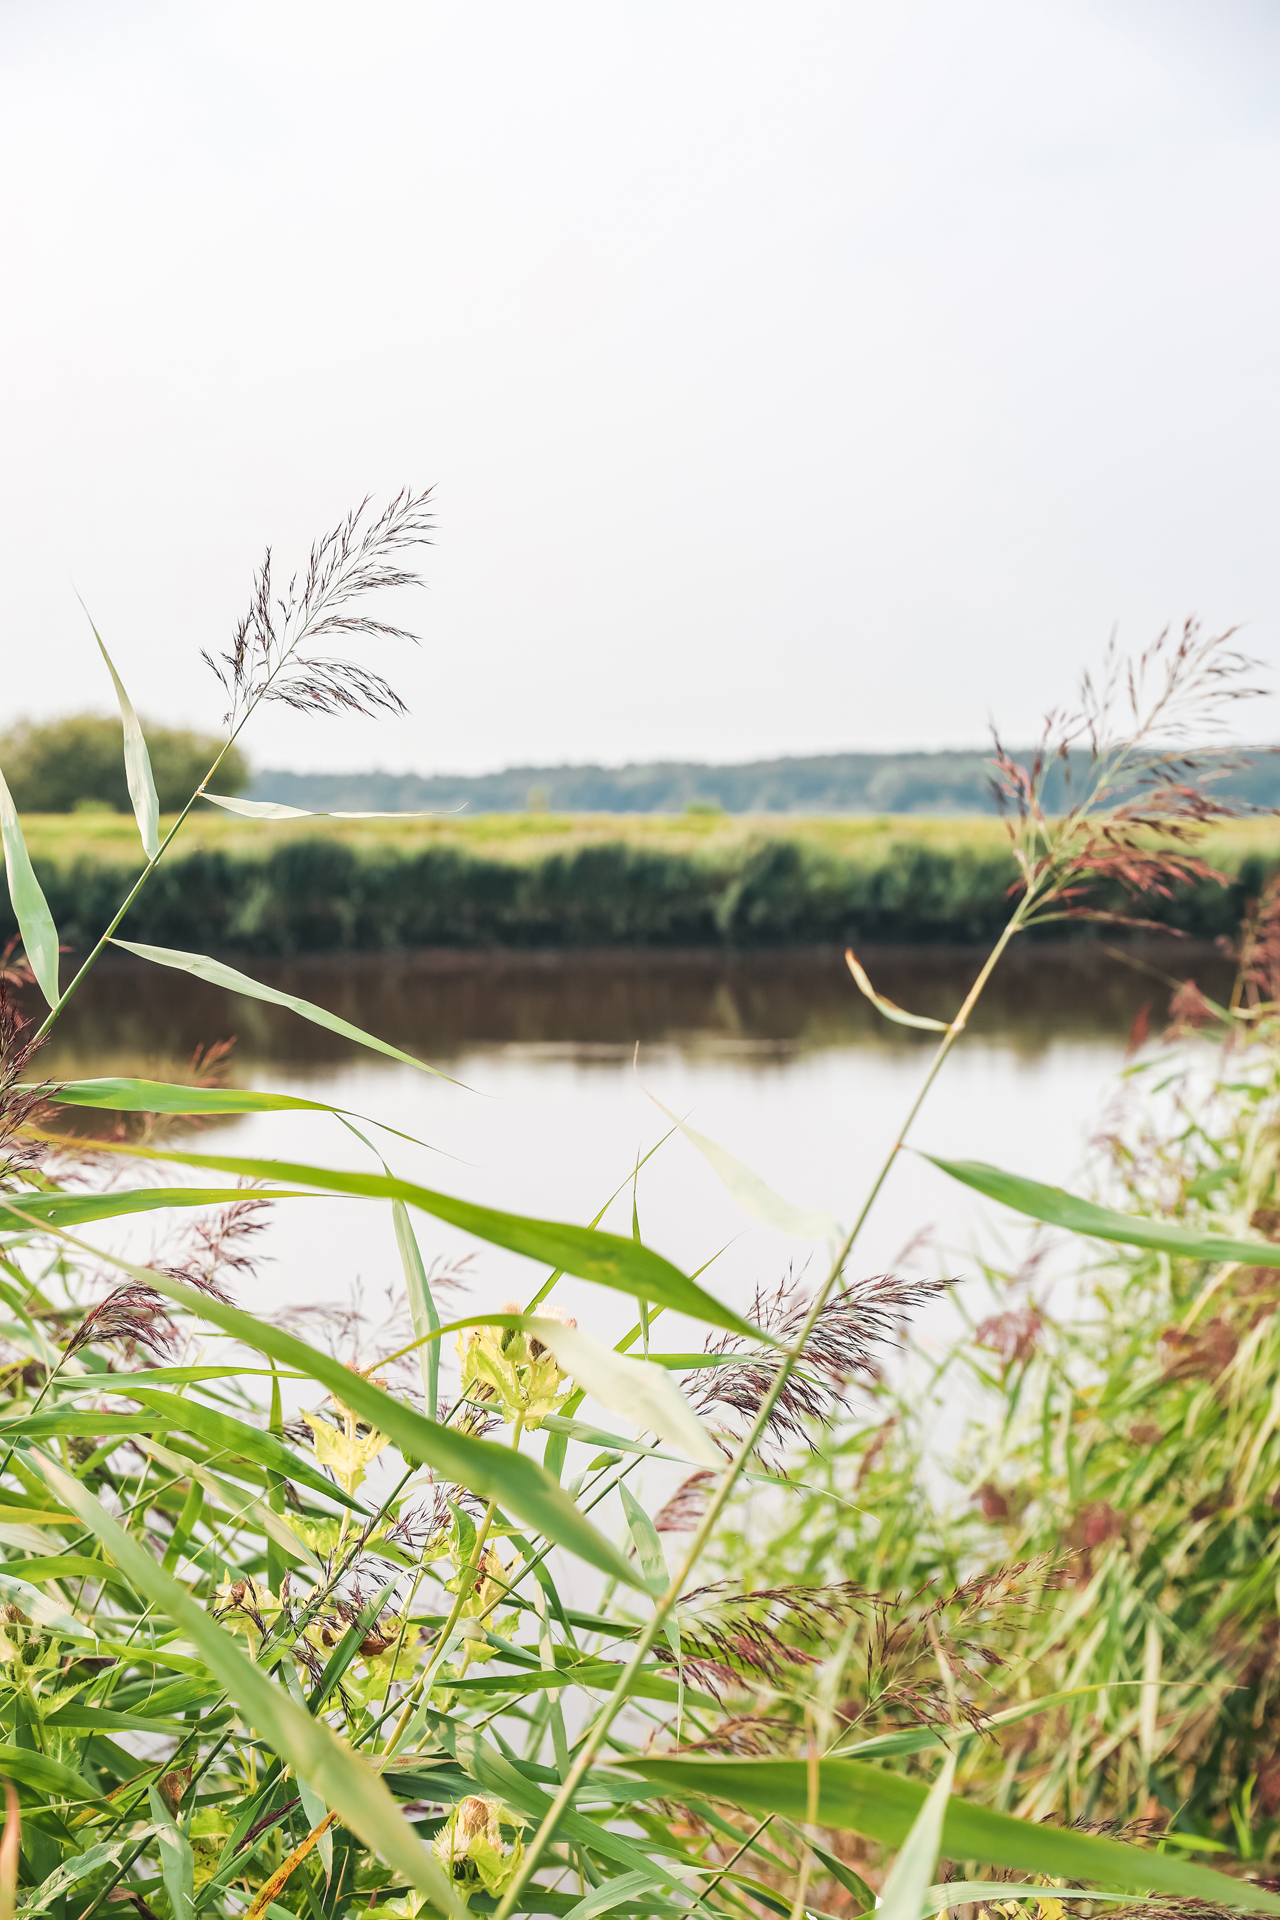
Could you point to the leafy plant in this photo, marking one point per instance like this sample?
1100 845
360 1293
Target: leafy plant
357 1681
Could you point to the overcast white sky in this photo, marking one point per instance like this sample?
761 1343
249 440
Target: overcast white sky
793 377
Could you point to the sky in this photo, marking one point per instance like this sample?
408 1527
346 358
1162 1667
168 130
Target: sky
792 378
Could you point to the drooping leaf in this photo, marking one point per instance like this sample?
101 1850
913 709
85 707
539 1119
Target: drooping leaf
163 1096
857 1798
137 763
422 1306
339 1774
753 1195
30 908
636 1389
1058 1208
608 1259
217 974
898 1015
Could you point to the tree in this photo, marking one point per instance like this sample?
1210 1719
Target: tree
59 766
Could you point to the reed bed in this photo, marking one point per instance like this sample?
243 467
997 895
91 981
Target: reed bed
299 1620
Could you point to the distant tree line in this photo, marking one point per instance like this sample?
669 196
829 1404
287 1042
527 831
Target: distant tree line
76 765
929 783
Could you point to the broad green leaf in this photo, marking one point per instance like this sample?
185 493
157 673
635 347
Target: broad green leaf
346 1781
163 1096
422 1307
177 1861
36 1770
616 1893
1058 1208
883 1806
898 1015
276 810
217 974
137 763
605 1258
75 1209
753 1195
73 1870
904 1890
494 1472
635 1389
30 908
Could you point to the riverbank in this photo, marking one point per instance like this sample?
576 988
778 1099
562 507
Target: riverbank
531 881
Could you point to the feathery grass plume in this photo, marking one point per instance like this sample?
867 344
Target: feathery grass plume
840 1350
1143 801
272 654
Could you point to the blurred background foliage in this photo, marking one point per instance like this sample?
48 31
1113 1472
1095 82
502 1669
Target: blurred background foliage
75 764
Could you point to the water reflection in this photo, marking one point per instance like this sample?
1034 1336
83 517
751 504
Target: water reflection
447 1005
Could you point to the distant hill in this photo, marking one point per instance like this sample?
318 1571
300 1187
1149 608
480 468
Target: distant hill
931 783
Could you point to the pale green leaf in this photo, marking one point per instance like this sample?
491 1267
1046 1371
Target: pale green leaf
754 1196
636 1389
912 1871
177 1861
422 1306
78 1867
276 810
30 908
137 764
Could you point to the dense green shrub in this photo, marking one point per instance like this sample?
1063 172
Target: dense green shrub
320 895
55 766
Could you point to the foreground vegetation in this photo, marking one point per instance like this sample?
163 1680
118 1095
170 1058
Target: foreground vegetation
524 880
418 1646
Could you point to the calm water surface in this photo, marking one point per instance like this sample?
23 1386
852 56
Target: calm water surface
775 1056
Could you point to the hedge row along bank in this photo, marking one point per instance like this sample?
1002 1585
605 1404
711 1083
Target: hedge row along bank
322 893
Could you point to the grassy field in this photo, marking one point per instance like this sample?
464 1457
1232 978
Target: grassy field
535 880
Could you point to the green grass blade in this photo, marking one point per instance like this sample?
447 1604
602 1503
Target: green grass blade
75 1209
30 908
422 1306
883 1806
137 763
909 1877
344 1780
217 974
72 1871
1057 1208
163 1096
648 1545
608 1259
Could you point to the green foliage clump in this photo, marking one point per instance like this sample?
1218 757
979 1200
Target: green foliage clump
61 766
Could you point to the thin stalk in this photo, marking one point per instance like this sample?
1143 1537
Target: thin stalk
618 1698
